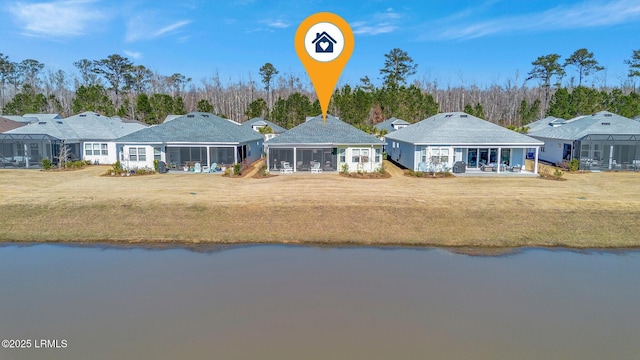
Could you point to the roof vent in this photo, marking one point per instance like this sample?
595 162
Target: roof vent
607 115
190 115
83 115
448 115
59 122
605 123
42 122
464 115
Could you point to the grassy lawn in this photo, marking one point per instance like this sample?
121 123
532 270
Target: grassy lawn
595 210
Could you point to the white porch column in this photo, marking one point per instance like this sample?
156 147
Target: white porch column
26 156
295 166
611 157
235 155
499 159
371 158
535 163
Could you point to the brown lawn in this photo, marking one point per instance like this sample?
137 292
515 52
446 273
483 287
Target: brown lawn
587 210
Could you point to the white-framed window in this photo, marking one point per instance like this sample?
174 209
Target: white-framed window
157 153
343 155
137 154
96 149
378 153
435 155
359 155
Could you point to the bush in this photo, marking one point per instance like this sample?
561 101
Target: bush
344 169
155 164
558 173
574 165
237 169
46 164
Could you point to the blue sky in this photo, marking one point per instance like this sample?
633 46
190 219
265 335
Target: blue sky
454 42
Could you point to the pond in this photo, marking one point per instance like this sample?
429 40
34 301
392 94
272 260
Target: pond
287 302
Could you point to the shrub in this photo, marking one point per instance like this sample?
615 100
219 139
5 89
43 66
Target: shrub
46 164
344 169
227 172
574 165
558 173
237 169
155 164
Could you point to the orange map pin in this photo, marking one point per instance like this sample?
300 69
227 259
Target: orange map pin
324 43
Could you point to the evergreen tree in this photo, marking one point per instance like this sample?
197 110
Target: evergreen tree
398 66
26 102
92 98
583 60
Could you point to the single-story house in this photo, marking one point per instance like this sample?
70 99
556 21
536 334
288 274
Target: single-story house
391 125
88 136
603 140
258 123
438 142
331 143
192 138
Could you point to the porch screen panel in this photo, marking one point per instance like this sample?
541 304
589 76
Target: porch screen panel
277 156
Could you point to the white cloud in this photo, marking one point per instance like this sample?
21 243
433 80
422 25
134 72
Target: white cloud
384 22
276 24
583 15
133 54
57 19
171 27
139 28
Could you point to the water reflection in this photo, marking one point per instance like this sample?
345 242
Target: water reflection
292 302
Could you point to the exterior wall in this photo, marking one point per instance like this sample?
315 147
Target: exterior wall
402 153
131 158
255 150
553 149
373 159
430 152
96 155
517 156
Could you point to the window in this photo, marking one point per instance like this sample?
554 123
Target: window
343 155
360 155
96 149
437 155
133 154
138 154
377 159
157 153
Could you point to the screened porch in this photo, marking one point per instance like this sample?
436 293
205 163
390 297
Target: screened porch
27 150
609 152
303 159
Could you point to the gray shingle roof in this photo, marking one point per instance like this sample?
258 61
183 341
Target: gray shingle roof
459 128
277 129
316 131
389 123
601 123
21 119
85 126
194 127
546 122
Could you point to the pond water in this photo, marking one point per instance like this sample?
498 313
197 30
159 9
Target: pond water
285 302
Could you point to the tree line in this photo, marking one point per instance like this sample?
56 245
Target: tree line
116 86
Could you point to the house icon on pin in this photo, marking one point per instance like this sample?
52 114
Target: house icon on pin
324 42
